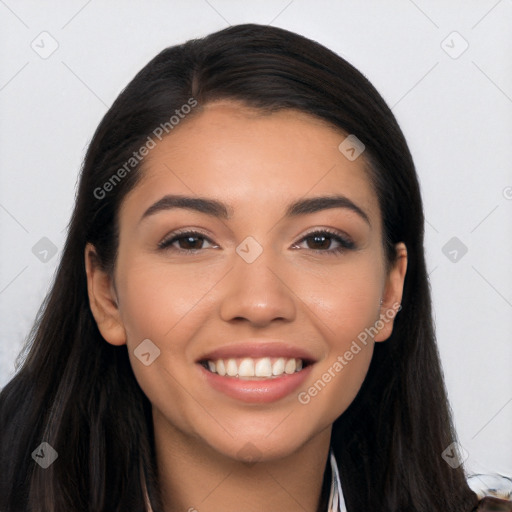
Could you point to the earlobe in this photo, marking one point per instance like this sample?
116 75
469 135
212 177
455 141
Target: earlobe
102 299
392 294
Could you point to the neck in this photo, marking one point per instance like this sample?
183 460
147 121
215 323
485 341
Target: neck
194 477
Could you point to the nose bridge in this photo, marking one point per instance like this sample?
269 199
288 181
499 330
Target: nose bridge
256 291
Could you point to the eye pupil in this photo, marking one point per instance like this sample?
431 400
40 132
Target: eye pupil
323 240
189 242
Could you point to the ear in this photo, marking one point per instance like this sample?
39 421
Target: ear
392 294
103 300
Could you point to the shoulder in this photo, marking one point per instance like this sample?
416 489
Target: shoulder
494 492
490 504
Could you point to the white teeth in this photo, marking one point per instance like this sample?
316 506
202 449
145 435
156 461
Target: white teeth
231 368
263 368
290 366
249 367
246 368
278 367
221 369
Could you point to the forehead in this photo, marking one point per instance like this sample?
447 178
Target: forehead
235 153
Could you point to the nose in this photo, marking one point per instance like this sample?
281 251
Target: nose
259 292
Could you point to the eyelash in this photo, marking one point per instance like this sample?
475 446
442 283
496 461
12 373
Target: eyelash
345 242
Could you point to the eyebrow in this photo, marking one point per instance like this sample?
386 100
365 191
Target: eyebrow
218 209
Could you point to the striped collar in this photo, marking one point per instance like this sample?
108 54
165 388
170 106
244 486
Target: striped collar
336 502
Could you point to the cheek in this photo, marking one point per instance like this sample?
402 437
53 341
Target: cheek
158 298
344 298
346 308
166 304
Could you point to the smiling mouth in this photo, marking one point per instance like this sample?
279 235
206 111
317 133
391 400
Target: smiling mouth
248 368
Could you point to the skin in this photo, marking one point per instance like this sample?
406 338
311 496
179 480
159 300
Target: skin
297 290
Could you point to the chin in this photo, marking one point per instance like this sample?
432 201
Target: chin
269 444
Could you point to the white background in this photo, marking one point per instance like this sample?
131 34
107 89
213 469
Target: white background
456 114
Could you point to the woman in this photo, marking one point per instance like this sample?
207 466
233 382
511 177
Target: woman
241 318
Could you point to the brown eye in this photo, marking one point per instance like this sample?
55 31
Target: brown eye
185 242
323 241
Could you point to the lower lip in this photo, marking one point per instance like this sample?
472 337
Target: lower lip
256 391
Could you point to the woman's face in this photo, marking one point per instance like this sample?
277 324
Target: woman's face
239 280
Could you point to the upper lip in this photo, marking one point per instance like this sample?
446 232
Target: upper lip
257 349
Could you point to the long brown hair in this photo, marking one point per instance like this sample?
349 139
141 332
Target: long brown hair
78 393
